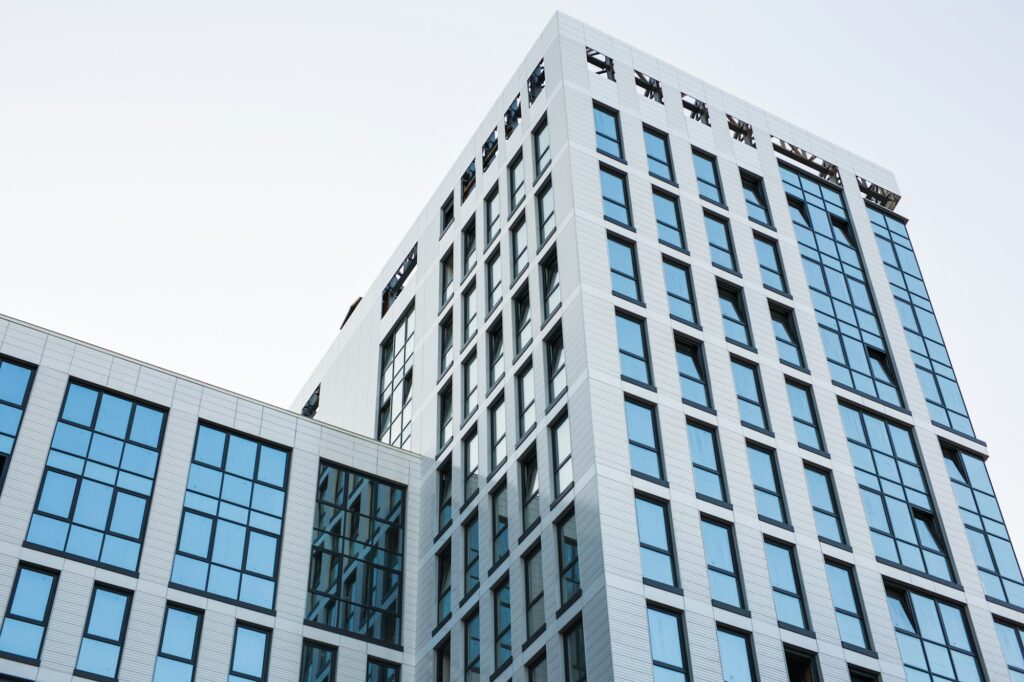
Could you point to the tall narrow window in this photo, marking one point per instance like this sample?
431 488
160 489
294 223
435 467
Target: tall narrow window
502 624
471 555
940 629
444 583
525 402
1011 637
644 443
443 661
756 198
468 248
764 472
736 654
659 159
394 402
250 656
447 213
787 340
657 554
444 495
790 606
521 315
15 379
707 462
606 126
625 274
382 671
469 319
734 316
545 213
633 358
554 358
179 645
100 438
805 416
495 354
445 429
319 662
679 287
533 574
499 524
492 214
541 148
750 395
772 274
827 517
516 183
668 648
842 582
575 657
537 670
709 186
723 254
493 276
670 222
445 343
470 464
28 613
723 566
471 647
518 242
470 385
693 381
550 286
615 197
561 455
568 559
529 486
498 429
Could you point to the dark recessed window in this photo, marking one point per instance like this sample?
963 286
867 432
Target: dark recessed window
545 213
568 559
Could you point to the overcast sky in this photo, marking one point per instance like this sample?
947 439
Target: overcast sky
207 185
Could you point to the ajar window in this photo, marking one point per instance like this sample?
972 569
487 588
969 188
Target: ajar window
659 158
787 338
670 221
679 287
764 472
756 199
734 315
554 359
805 416
709 185
609 135
541 148
693 382
561 455
723 254
516 183
444 583
668 644
550 285
568 559
502 624
644 441
624 270
708 476
773 276
736 653
633 355
499 524
615 198
529 485
787 590
492 214
827 515
749 393
545 213
723 565
533 572
842 582
447 282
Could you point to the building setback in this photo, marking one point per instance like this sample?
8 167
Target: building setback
651 390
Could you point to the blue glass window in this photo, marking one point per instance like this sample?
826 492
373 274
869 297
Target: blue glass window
381 671
693 380
657 554
1011 637
250 656
28 613
568 559
747 380
394 421
842 582
736 655
896 499
986 530
644 444
772 275
234 510
615 197
734 316
707 462
787 340
857 354
533 576
934 369
805 416
471 554
720 241
15 379
499 524
355 572
606 126
767 485
95 492
625 276
444 583
723 565
670 223
633 349
827 516
179 645
471 647
709 185
756 199
659 159
318 662
575 653
502 624
679 287
934 639
786 588
668 648
100 653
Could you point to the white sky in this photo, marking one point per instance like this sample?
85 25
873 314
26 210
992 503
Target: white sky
207 185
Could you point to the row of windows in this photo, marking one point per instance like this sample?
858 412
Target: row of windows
15 380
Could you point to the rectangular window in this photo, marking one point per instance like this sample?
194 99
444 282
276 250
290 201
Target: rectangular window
471 647
518 242
803 665
497 428
529 481
469 319
734 315
499 524
525 402
1011 637
502 624
349 503
668 644
381 671
568 559
100 438
541 148
445 428
827 517
495 354
709 186
633 359
28 613
470 384
659 159
756 198
445 345
897 502
319 662
657 554
444 495
468 248
554 358
750 395
615 197
521 314
787 339
444 583
468 181
644 443
447 213
394 402
670 222
805 416
99 653
179 645
229 543
764 471
545 213
723 565
708 476
471 556
842 582
609 137
537 671
693 379
561 455
533 573
772 274
625 274
516 183
679 287
493 280
550 286
790 607
575 656
940 629
723 254
15 380
492 214
736 654
250 656
470 464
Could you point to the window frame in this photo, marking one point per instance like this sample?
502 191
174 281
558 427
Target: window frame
668 163
598 136
525 409
684 651
499 529
492 275
812 406
633 276
760 192
700 363
663 227
658 449
713 161
502 634
194 661
626 205
516 193
718 472
533 594
667 262
786 318
546 226
670 552
568 568
529 487
743 318
645 359
560 460
800 594
779 492
119 642
730 242
737 571
836 513
538 155
47 611
851 572
555 365
762 266
241 624
760 403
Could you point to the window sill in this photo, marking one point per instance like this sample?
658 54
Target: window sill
779 292
667 181
1004 604
759 429
469 500
798 630
738 610
860 650
740 344
497 673
732 271
535 636
778 524
678 249
663 586
562 495
702 408
444 529
920 574
799 368
838 545
621 224
876 399
469 595
649 478
693 325
440 626
713 202
498 565
711 500
628 299
528 530
644 385
820 453
567 605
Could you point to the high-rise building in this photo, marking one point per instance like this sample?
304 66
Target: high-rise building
652 390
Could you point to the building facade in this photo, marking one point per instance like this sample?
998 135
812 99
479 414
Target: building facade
652 390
